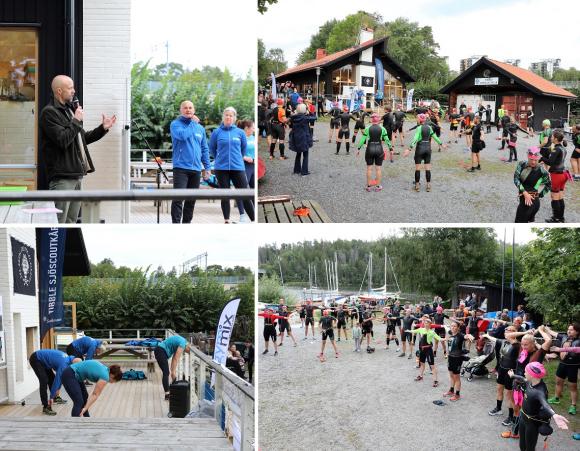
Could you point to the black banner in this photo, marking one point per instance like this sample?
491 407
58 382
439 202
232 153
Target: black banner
23 271
368 82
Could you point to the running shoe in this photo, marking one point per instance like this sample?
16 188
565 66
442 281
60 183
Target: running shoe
554 400
295 344
410 356
283 158
509 434
402 354
378 188
418 378
59 400
428 189
417 187
448 393
399 350
478 168
435 384
265 352
167 397
338 339
508 421
576 436
275 353
455 397
572 410
495 411
244 219
369 189
471 170
271 157
280 344
337 355
48 411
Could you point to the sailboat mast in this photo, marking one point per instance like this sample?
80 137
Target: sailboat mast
336 270
370 272
394 275
385 269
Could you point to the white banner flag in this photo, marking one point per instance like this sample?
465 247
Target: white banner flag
274 94
224 331
410 99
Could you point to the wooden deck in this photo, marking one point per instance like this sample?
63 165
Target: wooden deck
125 399
283 212
56 433
206 212
127 415
14 214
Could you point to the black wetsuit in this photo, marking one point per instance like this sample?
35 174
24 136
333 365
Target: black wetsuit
508 358
283 324
535 412
399 120
389 124
327 330
334 122
423 149
439 319
407 325
309 310
360 120
488 119
455 356
568 368
512 130
434 120
477 143
261 119
454 119
530 119
269 328
278 130
390 320
341 316
374 153
344 120
367 323
576 141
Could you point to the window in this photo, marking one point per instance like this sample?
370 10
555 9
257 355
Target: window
340 78
393 89
18 85
488 97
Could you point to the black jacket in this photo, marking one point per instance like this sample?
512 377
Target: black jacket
59 143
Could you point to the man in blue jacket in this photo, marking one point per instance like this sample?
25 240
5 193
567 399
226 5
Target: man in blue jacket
190 159
48 365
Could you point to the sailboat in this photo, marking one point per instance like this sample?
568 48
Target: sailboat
381 293
331 294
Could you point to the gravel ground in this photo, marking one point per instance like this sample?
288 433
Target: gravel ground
337 183
370 402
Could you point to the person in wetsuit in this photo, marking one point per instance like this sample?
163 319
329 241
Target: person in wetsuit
341 316
334 122
512 128
530 121
391 319
455 360
309 318
568 366
422 139
575 158
406 337
326 326
398 312
528 178
504 120
477 145
284 325
270 329
374 135
528 353
389 125
278 129
454 119
555 157
509 350
366 321
536 411
399 117
359 124
488 113
344 129
427 336
439 319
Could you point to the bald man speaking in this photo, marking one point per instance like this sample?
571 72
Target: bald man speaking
64 144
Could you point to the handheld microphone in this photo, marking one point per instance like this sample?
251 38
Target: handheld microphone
75 103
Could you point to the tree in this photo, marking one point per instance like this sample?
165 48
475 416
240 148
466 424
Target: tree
317 41
345 33
269 61
551 275
263 5
571 74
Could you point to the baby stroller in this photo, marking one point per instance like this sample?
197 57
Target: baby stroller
476 365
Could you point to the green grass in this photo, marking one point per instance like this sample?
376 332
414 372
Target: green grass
562 408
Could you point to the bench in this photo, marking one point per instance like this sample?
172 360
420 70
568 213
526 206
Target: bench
280 209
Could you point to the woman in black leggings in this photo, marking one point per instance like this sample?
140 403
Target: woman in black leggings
227 146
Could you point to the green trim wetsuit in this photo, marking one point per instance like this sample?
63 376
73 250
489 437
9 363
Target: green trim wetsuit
530 180
375 134
422 139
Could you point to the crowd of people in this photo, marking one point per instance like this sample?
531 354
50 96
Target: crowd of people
543 171
518 347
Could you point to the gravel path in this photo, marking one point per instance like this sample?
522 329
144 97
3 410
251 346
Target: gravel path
370 402
337 183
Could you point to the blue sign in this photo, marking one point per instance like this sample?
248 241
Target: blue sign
51 248
380 72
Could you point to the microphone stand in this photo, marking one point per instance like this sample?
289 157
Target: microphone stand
159 167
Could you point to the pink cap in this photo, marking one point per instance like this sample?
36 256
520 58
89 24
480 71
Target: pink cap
535 369
375 118
300 100
439 309
421 118
534 153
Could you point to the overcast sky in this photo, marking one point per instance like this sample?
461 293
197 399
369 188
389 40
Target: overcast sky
169 245
501 29
213 33
289 233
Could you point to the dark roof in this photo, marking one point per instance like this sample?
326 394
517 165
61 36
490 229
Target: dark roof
529 79
76 260
342 54
483 283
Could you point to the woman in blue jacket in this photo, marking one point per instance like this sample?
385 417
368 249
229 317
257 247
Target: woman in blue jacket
227 146
300 139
